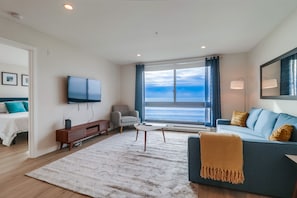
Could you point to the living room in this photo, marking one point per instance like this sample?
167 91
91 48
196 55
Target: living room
53 59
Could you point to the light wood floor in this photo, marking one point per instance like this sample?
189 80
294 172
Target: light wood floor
14 163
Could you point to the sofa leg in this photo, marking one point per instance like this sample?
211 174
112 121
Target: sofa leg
121 129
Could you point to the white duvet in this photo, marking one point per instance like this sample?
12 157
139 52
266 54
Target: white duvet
11 124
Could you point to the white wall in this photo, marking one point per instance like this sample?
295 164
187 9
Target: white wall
8 91
278 42
232 67
55 60
128 75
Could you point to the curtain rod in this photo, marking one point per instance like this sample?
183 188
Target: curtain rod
180 61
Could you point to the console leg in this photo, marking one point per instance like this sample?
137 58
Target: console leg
70 146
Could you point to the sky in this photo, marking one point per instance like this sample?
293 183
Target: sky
159 85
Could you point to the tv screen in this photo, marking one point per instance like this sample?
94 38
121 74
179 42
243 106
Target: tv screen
83 90
94 90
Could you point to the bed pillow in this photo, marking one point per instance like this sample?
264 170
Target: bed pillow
15 107
3 108
26 105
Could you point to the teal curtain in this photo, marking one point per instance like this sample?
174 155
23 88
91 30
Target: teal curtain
212 92
139 90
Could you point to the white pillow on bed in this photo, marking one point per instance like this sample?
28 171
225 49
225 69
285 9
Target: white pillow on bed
3 107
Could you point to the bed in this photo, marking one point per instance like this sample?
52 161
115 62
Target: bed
12 123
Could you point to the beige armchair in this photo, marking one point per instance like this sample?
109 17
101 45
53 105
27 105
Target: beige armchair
121 116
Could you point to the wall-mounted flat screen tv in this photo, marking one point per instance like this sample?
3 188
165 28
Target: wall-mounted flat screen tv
81 89
94 90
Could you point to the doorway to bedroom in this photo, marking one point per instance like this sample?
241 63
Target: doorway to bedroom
14 97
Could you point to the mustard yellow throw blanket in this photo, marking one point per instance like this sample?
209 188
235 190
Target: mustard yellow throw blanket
221 157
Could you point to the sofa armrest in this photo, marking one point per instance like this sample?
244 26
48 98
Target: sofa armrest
115 118
223 121
266 168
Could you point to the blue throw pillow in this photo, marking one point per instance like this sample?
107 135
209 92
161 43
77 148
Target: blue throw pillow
26 105
15 107
253 117
266 122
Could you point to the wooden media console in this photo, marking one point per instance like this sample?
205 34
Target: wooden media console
80 132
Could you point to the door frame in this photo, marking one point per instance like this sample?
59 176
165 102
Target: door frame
32 128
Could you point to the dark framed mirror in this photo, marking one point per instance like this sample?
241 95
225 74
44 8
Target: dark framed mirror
278 77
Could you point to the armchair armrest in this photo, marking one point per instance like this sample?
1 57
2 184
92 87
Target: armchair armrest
115 118
134 113
223 121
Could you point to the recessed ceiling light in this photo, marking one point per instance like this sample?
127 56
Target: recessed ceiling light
203 47
15 15
138 55
68 7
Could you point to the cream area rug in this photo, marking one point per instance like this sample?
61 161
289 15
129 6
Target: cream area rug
118 167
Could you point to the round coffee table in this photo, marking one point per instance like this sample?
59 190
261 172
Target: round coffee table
149 127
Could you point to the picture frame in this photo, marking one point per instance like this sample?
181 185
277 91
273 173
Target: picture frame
25 80
9 78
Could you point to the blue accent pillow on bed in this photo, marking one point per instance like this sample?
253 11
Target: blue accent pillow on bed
26 105
15 107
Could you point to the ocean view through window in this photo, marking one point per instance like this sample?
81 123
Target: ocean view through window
176 95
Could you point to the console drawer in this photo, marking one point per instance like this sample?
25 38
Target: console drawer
92 130
76 135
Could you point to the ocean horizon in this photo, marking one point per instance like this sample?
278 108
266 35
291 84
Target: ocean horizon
191 115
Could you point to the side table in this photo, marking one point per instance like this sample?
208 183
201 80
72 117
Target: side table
149 127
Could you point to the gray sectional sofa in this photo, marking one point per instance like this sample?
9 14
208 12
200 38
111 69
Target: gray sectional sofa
266 168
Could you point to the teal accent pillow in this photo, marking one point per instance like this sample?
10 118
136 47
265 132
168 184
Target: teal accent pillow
15 107
26 105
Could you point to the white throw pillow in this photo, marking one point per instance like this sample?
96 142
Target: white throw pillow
3 108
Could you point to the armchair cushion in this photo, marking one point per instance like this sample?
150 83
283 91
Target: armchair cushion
124 109
129 119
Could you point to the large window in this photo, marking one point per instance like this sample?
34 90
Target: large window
176 95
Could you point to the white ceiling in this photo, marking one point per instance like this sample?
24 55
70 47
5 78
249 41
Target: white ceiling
158 29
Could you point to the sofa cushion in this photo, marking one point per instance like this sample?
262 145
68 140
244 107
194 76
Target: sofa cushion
239 118
243 132
287 119
283 133
253 117
265 123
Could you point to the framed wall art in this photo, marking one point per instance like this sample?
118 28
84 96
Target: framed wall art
9 78
25 80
